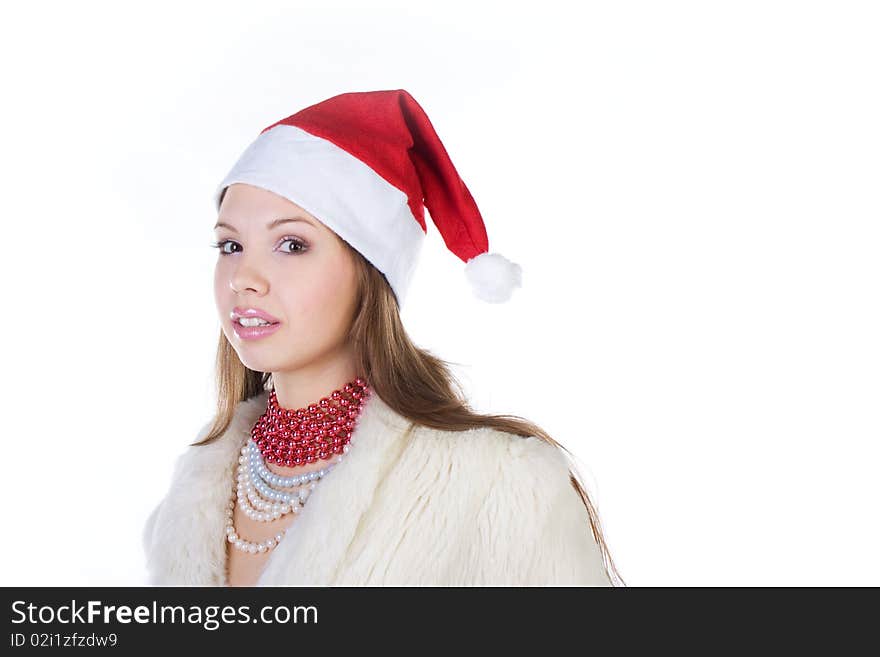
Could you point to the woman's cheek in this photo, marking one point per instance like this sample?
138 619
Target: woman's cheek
310 305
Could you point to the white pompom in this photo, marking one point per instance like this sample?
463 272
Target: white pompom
493 277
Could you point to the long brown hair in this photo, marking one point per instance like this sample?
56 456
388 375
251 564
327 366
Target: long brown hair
412 381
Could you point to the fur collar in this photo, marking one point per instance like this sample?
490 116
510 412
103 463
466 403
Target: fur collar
185 537
408 505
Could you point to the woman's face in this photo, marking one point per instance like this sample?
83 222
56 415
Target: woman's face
298 272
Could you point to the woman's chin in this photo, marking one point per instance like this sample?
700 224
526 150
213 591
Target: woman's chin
256 357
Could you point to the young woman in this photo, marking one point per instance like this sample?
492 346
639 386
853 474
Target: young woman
341 453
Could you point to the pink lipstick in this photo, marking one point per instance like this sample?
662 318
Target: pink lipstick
253 332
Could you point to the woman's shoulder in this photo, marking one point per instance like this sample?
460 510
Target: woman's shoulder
504 453
198 477
530 520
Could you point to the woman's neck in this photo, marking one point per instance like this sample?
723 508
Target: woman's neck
299 388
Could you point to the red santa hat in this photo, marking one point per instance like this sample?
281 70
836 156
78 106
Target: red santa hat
367 164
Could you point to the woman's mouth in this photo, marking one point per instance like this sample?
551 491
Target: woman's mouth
253 330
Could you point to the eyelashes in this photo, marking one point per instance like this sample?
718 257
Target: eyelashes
298 248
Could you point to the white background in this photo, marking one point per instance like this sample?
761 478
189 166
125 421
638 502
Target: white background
690 187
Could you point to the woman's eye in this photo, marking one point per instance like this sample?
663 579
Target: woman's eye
300 246
222 246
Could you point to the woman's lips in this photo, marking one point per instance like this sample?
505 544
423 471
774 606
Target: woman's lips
254 332
258 313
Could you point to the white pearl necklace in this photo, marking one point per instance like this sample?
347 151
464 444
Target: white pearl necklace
261 495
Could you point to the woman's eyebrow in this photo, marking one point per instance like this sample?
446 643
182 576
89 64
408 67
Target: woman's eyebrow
270 225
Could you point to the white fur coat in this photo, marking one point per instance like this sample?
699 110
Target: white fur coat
406 506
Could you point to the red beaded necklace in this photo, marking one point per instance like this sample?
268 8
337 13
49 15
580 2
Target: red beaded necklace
292 437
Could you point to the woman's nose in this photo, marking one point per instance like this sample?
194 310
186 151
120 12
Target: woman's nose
247 277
